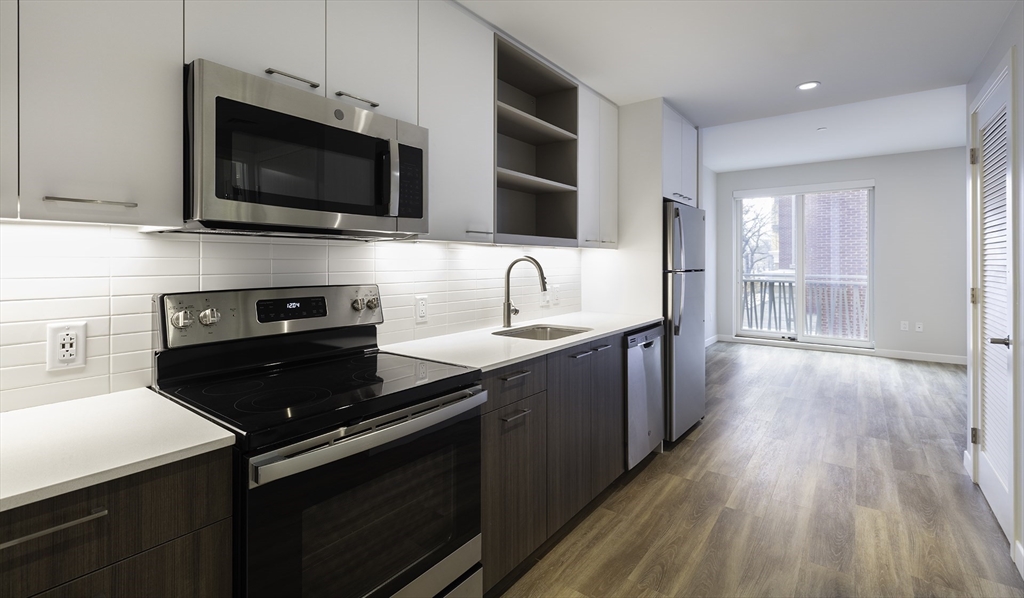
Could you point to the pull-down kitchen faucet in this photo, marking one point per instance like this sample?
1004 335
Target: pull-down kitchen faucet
508 310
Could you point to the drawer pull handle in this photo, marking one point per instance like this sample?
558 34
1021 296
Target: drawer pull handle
516 376
602 347
272 71
102 202
96 514
522 413
342 94
480 232
581 355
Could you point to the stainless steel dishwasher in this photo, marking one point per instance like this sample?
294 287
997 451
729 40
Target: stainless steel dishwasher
645 394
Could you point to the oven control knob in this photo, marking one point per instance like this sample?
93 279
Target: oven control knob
182 319
359 304
373 303
209 317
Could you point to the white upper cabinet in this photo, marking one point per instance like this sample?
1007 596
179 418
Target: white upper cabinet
372 54
8 109
679 157
598 184
588 183
101 111
457 105
609 174
255 35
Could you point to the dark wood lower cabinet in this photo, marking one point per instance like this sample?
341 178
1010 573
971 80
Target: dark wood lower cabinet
198 564
608 413
569 433
514 481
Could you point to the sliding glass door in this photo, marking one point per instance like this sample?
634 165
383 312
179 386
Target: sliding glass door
805 267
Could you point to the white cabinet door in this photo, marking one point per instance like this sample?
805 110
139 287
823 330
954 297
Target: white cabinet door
256 35
688 164
671 154
8 109
457 106
371 54
101 110
588 178
609 177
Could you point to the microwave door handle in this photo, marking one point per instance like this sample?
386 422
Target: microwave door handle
396 178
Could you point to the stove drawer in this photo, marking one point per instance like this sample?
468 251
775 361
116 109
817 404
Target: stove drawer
50 542
515 382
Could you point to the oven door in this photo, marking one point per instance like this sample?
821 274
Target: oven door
387 510
267 156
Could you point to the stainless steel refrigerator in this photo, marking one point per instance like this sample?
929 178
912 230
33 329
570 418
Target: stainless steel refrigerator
684 318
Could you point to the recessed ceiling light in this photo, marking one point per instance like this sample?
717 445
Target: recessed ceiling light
808 85
822 128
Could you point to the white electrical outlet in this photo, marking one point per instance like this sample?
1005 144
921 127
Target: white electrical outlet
554 293
919 327
65 345
421 308
545 298
904 325
421 372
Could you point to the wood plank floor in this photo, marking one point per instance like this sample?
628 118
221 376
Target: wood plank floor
813 474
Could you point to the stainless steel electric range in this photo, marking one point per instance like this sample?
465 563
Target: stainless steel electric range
357 470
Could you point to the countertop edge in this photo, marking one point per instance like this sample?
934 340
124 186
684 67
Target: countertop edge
113 473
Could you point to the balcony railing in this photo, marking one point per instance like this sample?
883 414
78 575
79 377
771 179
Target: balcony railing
835 306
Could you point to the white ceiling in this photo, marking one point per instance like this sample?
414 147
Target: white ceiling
729 61
906 123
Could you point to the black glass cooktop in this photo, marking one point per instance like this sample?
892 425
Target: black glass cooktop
268 406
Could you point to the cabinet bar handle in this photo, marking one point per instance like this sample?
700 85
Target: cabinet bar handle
480 232
581 355
522 413
102 202
602 347
312 84
516 376
344 94
686 197
96 514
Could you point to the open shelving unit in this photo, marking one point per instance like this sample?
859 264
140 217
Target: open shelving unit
536 125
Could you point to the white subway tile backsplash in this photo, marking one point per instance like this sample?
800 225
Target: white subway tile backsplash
107 275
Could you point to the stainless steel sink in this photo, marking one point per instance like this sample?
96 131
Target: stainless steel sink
540 332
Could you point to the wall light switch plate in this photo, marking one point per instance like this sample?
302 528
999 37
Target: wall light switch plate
421 308
545 298
904 325
919 327
65 345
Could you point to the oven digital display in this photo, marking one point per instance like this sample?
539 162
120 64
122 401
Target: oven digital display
278 310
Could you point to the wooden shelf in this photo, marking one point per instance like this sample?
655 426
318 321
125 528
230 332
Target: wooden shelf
513 239
527 183
517 124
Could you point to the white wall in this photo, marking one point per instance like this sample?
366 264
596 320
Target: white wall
920 265
709 202
106 276
628 280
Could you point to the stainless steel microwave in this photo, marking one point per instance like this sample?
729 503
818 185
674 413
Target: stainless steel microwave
267 158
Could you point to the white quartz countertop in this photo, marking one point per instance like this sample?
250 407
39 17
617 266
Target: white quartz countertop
481 349
52 449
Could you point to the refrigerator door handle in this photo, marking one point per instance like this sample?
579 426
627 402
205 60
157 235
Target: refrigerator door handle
677 307
678 241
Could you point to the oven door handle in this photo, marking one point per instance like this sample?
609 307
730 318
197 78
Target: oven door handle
288 461
396 177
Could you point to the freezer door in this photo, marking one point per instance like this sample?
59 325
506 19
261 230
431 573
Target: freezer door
684 352
684 237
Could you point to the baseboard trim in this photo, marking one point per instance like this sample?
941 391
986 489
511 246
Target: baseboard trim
1018 557
710 341
914 356
969 465
888 353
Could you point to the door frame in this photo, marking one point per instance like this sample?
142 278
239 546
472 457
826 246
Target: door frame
1004 72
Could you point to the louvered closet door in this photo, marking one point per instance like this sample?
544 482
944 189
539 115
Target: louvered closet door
996 463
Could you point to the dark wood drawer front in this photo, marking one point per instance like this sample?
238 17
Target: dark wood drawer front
198 564
142 511
515 382
514 485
